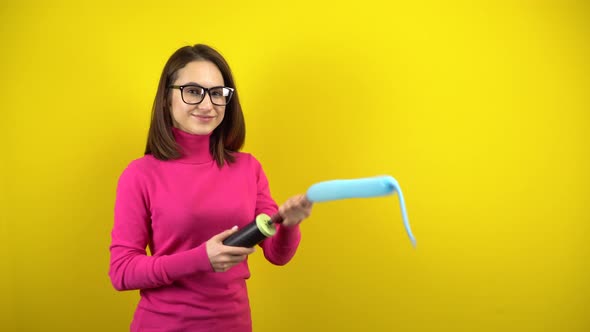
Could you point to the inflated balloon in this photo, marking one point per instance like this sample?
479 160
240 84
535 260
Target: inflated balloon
264 226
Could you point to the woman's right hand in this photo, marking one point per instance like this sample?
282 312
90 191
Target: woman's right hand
224 257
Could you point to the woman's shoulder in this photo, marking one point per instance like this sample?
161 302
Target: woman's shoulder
246 158
140 166
248 162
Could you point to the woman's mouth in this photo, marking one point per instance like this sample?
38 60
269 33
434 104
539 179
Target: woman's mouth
203 118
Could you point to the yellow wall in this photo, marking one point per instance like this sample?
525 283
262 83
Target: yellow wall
480 111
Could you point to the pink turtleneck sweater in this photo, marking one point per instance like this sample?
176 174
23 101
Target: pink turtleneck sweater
174 207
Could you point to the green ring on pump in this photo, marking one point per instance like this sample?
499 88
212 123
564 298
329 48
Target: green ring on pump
265 225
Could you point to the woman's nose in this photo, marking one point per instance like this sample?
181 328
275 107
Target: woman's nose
206 103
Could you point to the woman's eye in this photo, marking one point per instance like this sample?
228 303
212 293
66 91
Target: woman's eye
194 91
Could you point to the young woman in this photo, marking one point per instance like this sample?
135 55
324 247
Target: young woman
190 191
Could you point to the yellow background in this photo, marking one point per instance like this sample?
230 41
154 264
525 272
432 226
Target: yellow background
479 110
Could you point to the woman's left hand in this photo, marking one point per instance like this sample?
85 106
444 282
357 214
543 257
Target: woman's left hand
295 210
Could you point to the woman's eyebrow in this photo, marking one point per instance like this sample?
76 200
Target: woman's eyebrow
192 83
202 85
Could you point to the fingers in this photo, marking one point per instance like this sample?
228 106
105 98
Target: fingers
295 210
235 259
231 260
237 251
225 234
305 202
304 205
224 257
230 250
227 262
299 201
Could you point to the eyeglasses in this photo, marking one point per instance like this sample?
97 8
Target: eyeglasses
193 94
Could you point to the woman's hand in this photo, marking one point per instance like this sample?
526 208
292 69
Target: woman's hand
295 210
224 257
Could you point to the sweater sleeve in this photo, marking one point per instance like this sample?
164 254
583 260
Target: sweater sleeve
280 248
130 266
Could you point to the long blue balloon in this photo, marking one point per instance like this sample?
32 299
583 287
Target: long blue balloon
360 188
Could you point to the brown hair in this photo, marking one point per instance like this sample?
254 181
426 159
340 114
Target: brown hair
226 139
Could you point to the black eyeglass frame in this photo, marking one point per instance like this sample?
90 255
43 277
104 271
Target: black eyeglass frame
207 92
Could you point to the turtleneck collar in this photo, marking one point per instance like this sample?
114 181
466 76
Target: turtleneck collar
194 148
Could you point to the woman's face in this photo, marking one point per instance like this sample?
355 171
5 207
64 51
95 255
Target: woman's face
203 118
